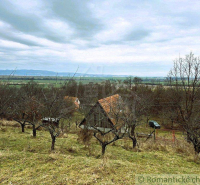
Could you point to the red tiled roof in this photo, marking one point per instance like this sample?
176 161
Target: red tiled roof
110 105
109 102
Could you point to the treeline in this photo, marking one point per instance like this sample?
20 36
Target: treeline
25 79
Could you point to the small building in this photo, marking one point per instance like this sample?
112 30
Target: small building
104 115
74 100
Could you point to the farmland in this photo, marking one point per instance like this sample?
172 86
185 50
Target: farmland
19 80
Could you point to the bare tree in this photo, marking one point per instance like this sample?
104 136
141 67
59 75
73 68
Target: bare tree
184 79
54 107
137 80
104 140
6 97
25 106
168 109
17 111
130 117
129 81
105 121
118 129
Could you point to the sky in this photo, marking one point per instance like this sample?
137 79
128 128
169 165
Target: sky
119 37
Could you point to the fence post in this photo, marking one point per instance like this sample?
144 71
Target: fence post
156 132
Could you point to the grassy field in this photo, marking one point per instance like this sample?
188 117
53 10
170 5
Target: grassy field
28 160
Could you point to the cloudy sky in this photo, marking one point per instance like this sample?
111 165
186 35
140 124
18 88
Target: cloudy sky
133 37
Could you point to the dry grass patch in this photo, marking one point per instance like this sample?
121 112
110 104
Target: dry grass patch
25 160
4 122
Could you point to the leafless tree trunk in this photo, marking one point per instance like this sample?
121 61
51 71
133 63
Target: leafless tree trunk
53 140
23 122
22 127
184 79
54 107
134 140
105 143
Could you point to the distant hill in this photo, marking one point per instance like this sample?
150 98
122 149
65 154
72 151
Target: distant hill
50 73
32 73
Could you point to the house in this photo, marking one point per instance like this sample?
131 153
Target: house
74 100
104 115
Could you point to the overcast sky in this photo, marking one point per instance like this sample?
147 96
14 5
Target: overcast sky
133 37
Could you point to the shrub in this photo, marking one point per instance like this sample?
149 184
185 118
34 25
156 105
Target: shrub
85 136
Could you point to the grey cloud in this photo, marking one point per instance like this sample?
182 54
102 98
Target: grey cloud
78 15
145 16
177 13
137 34
18 20
14 38
29 23
162 40
75 13
132 37
6 49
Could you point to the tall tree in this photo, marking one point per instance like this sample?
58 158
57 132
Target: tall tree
184 79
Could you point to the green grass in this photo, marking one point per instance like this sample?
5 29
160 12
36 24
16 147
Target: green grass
28 160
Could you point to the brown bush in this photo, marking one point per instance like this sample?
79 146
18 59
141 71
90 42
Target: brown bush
10 123
85 136
155 146
183 147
